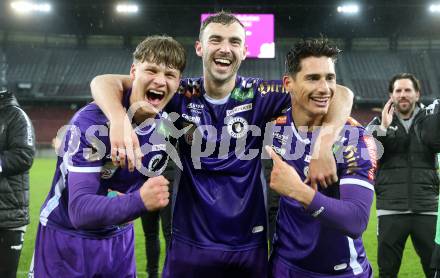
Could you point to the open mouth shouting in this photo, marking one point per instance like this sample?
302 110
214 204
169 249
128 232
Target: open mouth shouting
154 97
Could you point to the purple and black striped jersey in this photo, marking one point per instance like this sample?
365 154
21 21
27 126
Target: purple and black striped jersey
220 202
77 202
325 239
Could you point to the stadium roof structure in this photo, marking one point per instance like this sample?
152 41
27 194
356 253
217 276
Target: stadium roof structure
376 18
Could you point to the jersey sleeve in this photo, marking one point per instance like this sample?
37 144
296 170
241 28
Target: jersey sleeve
271 98
356 160
356 157
85 151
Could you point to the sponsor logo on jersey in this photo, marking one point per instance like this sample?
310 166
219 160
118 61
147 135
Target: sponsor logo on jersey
163 130
280 137
154 161
241 95
257 229
282 120
308 158
238 109
340 266
195 106
159 147
351 159
108 170
316 213
271 86
191 119
237 127
372 151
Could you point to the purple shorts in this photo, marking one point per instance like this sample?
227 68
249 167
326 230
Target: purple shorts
279 269
184 260
60 254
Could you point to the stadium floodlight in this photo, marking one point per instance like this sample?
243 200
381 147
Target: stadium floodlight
127 8
348 9
25 7
434 8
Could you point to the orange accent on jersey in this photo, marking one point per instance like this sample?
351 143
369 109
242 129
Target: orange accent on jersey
353 122
372 151
282 120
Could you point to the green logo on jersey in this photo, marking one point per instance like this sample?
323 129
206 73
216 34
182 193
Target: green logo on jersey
163 130
242 95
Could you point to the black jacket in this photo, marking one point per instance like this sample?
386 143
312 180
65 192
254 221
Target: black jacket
17 149
407 174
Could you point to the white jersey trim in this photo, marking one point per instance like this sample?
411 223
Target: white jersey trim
357 182
84 169
354 264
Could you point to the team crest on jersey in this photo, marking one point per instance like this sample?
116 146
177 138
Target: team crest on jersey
306 171
108 170
241 95
237 127
154 161
278 150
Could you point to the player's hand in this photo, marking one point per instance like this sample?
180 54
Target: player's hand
285 181
387 114
322 167
125 148
283 178
154 193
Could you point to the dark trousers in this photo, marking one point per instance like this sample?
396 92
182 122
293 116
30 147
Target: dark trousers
11 243
393 231
150 225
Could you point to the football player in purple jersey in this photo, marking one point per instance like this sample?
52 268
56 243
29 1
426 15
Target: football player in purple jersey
319 232
84 231
219 221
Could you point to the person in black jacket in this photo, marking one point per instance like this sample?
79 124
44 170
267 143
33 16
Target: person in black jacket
407 183
17 149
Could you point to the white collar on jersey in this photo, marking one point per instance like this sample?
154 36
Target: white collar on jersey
216 101
298 136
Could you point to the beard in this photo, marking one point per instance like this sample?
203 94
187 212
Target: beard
405 108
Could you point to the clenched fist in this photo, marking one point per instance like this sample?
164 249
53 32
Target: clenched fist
154 193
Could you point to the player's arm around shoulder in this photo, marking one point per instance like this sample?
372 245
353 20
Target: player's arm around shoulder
322 169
